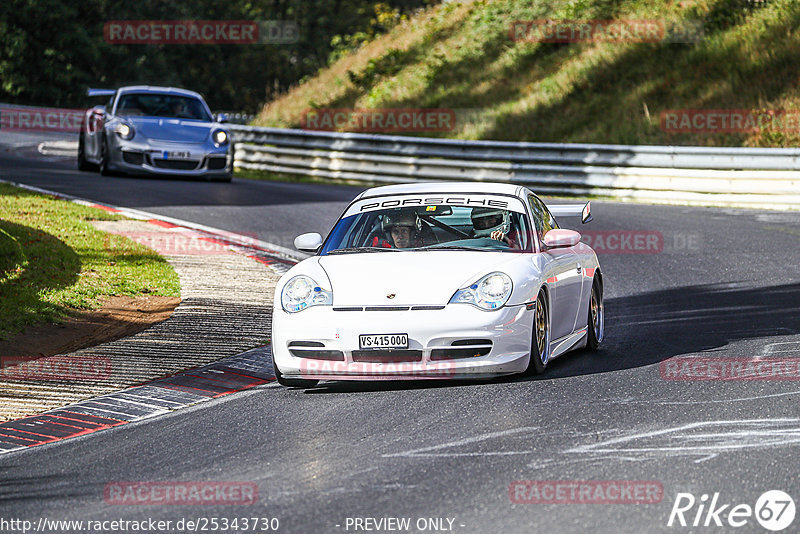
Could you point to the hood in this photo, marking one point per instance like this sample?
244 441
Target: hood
415 278
175 130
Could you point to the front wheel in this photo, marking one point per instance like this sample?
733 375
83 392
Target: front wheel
596 320
83 163
292 382
540 340
104 154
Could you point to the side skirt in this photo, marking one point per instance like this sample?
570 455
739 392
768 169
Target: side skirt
564 344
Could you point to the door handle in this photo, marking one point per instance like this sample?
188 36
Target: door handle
579 268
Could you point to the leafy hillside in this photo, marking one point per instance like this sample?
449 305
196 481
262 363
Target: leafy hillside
460 56
51 51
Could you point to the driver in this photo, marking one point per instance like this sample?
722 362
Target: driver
494 223
178 108
403 229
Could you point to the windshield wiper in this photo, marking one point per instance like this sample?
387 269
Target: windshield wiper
352 250
457 247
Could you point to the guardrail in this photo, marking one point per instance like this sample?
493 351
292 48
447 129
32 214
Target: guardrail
752 177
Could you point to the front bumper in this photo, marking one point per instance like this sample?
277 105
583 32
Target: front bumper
431 333
147 157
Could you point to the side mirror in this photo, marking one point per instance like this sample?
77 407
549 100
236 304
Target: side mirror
308 242
561 238
221 117
96 119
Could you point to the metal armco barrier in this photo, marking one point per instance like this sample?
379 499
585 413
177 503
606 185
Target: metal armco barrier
753 177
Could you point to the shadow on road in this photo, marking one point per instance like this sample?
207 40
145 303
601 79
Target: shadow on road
62 175
648 328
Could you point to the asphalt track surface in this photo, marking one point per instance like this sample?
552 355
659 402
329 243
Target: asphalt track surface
725 285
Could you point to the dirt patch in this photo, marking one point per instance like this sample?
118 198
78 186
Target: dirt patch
119 317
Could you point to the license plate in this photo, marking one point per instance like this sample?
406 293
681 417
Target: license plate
176 155
383 341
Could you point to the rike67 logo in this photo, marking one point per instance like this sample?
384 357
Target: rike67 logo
774 510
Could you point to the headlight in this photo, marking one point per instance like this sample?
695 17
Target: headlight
220 137
125 131
301 292
489 293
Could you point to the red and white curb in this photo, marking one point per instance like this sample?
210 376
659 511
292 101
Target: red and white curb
238 373
158 397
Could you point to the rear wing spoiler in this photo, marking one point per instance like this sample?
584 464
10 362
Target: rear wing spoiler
100 92
584 211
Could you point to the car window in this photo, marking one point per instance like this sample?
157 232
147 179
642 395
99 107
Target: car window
440 227
543 220
161 105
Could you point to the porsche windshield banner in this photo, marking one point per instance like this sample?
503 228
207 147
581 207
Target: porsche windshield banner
431 201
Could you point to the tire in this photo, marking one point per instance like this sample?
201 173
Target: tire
540 337
596 320
292 382
103 166
83 164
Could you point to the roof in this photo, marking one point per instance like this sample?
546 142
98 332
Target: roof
156 89
442 187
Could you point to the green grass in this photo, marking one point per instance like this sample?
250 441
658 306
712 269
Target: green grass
54 262
459 55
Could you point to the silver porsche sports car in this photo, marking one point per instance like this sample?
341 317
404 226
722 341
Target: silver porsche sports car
155 130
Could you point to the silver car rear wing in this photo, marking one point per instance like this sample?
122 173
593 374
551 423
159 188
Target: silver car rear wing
100 92
584 211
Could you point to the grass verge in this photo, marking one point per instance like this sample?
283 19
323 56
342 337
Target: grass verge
53 262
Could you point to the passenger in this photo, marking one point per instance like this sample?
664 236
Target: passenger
494 223
131 106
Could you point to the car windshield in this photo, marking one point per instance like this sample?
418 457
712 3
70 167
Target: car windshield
431 227
162 105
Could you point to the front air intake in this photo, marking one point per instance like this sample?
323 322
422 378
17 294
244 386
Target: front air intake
463 348
314 350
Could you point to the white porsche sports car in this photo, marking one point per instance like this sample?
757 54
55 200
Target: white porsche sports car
437 280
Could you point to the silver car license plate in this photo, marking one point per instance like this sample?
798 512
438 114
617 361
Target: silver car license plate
176 155
383 341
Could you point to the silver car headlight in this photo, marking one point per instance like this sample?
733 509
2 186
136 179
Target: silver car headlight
302 292
220 137
125 131
489 293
